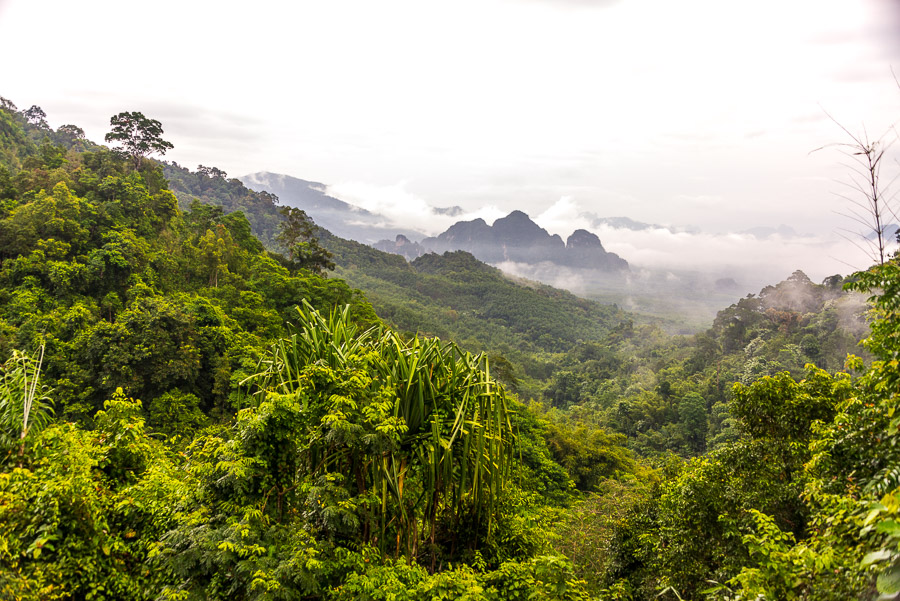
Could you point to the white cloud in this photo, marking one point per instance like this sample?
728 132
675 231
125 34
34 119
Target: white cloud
761 261
403 208
643 108
757 260
563 217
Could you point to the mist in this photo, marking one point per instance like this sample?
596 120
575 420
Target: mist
752 257
406 210
683 278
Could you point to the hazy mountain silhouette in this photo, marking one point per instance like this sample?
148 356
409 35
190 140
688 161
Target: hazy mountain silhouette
341 218
512 238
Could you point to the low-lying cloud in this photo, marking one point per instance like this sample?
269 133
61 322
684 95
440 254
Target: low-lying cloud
743 256
752 258
404 209
749 256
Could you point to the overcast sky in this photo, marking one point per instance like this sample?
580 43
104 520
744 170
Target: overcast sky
690 112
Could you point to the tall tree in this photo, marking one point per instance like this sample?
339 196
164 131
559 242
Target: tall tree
36 116
138 135
298 239
71 131
211 171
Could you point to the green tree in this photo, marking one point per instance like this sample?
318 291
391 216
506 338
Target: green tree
36 116
298 239
84 517
419 408
214 251
211 171
692 413
138 135
71 131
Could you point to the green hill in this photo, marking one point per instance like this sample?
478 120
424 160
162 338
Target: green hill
184 414
457 296
98 263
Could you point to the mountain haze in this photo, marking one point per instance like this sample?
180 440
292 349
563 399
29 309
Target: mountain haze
514 238
191 409
341 218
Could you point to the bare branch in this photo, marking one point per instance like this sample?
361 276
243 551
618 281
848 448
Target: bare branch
870 195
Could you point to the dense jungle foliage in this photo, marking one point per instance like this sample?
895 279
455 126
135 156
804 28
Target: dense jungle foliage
275 452
596 364
191 409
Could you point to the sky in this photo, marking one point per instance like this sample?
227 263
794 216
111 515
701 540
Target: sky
700 115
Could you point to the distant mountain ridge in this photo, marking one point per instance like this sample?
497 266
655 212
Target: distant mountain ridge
341 218
512 238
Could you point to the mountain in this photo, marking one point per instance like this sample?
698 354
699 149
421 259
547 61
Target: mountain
341 218
585 250
889 232
518 239
401 245
178 324
626 223
454 295
621 223
513 238
454 211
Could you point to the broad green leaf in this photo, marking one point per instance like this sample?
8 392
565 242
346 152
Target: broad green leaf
889 581
889 527
876 556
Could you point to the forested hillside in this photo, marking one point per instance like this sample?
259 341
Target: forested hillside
455 295
191 409
125 290
594 363
210 185
205 419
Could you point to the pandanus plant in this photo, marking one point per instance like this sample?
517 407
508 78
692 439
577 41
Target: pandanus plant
24 404
417 427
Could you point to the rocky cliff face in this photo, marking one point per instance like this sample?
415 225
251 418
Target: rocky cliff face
511 238
583 249
517 238
401 246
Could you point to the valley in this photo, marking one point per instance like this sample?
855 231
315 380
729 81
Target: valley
681 297
206 393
